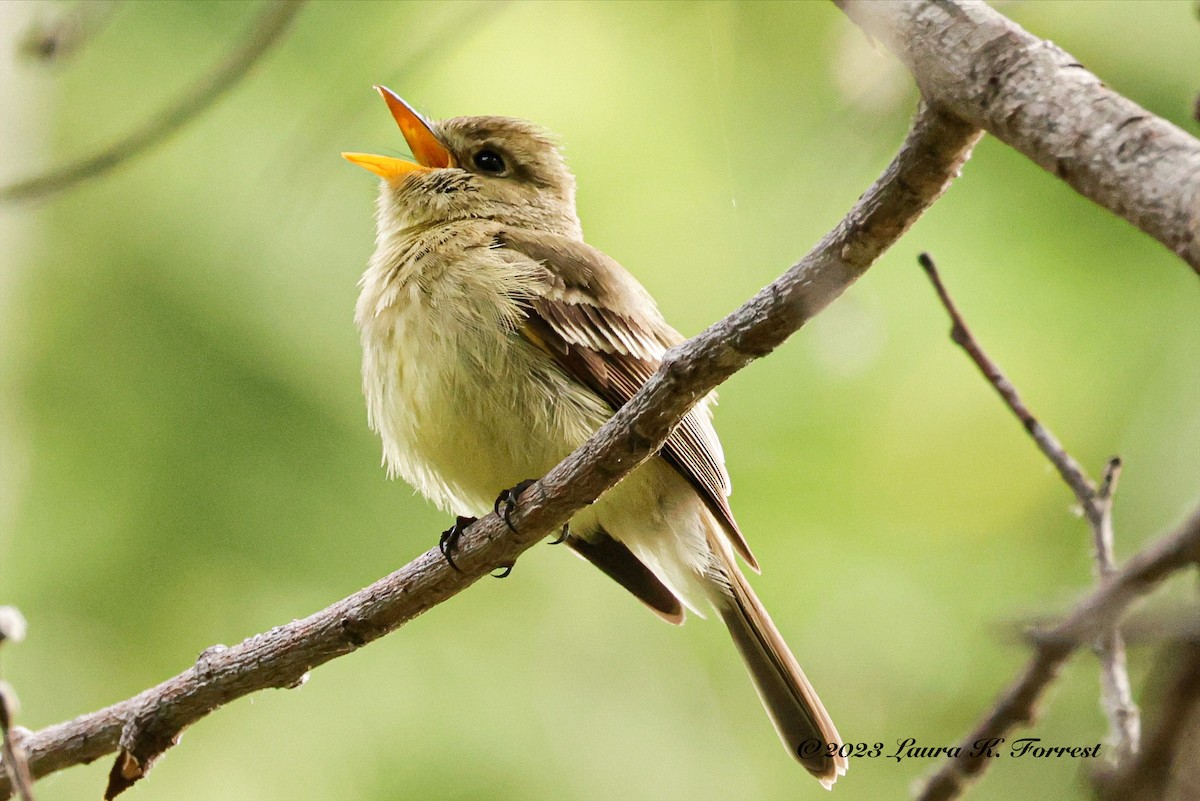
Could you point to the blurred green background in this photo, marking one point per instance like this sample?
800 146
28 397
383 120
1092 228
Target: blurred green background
184 456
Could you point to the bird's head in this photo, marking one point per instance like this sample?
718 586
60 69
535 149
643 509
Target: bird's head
493 168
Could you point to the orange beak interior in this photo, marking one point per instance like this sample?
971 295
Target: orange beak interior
429 152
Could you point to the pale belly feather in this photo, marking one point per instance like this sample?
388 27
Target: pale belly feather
451 426
466 409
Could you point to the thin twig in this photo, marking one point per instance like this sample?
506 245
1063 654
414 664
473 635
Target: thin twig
1166 623
146 725
1165 760
1098 612
12 755
1049 445
1115 691
268 30
1117 696
1124 719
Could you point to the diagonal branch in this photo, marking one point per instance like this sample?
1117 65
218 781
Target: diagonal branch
1097 613
1123 718
976 64
1070 470
269 29
145 725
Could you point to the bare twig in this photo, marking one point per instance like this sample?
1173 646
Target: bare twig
1124 720
147 724
1166 760
1096 502
1097 613
1049 445
1165 623
12 755
268 30
980 66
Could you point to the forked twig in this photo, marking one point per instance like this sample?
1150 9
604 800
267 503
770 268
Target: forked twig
1090 618
1096 503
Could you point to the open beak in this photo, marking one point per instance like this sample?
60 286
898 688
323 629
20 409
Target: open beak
430 154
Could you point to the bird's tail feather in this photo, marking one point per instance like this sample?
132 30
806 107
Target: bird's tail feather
791 702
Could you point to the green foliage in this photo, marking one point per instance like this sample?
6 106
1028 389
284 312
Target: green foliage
186 461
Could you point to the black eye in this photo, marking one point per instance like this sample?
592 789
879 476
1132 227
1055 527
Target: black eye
488 160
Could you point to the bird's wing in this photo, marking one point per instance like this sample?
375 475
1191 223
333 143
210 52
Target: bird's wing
619 564
603 329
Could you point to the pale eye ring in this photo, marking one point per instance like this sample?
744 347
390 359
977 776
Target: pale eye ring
489 161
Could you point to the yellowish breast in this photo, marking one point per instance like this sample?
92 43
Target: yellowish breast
464 405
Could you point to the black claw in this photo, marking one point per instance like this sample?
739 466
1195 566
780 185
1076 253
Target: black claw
566 529
508 498
504 571
449 539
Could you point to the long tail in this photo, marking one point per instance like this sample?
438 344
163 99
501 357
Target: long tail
790 700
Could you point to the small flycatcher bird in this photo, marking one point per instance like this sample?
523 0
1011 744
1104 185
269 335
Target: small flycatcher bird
495 341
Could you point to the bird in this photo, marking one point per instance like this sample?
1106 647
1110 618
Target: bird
495 341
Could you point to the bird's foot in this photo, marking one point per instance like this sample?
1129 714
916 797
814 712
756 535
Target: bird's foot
562 536
508 499
504 571
449 539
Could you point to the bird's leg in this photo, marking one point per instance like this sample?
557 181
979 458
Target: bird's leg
562 536
508 499
449 538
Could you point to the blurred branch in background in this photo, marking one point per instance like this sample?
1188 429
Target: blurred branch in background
55 38
145 726
269 28
984 68
12 754
1096 503
1096 614
1166 768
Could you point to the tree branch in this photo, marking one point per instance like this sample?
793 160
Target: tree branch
12 755
144 726
1096 502
268 30
1124 719
13 763
1098 612
1167 763
985 69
